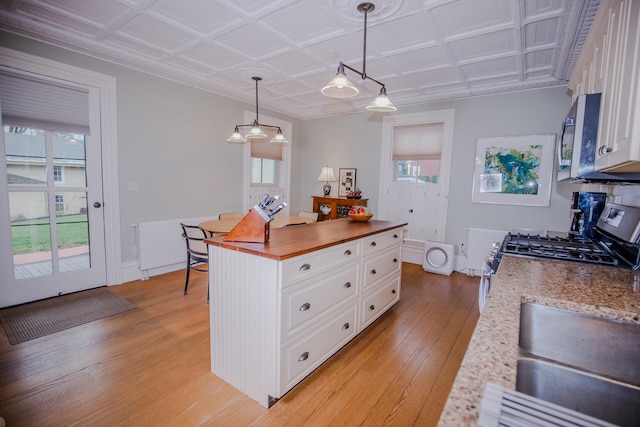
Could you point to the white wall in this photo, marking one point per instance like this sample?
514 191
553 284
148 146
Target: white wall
355 141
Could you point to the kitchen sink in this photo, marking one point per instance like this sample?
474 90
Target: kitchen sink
582 362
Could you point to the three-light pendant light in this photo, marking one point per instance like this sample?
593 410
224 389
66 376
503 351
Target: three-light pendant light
256 131
341 87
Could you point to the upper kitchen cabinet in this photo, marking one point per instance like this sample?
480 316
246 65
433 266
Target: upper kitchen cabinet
610 64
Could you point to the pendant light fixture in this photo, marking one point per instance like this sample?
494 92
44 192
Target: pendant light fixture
341 87
256 127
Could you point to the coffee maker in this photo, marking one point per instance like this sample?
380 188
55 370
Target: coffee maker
586 208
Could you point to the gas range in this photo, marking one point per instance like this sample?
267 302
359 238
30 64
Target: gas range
616 242
559 248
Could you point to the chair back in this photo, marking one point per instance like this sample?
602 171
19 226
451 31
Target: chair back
312 215
228 215
194 237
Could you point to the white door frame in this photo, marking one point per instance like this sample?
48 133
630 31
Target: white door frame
106 85
387 173
284 172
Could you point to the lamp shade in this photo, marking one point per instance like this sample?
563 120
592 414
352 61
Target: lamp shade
340 86
327 174
382 102
279 138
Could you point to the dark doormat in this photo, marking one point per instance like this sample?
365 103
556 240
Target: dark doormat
37 319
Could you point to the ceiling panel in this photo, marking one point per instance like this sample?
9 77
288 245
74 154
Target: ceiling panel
422 50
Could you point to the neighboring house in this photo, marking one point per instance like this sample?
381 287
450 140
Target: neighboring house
26 167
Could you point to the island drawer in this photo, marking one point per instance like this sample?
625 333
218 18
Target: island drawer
312 298
378 300
380 241
305 266
301 357
377 266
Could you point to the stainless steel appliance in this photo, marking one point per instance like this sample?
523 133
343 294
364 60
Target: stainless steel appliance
615 243
578 143
491 262
586 208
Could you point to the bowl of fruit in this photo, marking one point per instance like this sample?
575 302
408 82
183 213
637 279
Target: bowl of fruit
359 214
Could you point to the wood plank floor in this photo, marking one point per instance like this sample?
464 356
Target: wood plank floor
150 366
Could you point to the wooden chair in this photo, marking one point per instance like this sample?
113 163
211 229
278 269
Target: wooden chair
228 215
197 252
312 215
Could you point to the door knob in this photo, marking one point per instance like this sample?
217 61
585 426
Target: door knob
97 205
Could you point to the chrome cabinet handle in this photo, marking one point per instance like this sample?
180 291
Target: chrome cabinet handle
305 267
347 285
347 252
372 307
304 356
345 326
372 272
304 307
372 244
604 150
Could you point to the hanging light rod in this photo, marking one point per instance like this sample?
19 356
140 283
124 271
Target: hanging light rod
256 131
341 87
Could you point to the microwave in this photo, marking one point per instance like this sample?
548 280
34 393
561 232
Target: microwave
578 143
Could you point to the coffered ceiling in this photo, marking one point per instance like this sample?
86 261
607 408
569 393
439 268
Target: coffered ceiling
422 50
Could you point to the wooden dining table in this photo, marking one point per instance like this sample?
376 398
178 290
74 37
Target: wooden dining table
226 225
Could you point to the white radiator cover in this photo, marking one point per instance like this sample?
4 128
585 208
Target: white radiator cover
160 243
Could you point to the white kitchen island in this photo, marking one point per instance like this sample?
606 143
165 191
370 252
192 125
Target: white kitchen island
278 310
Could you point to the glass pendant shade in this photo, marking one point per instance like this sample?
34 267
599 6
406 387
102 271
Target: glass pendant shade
256 132
340 86
236 137
382 102
279 137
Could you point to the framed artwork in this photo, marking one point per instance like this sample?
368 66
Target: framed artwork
347 182
514 170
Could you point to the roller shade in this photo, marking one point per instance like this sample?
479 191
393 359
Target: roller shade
263 149
29 102
418 142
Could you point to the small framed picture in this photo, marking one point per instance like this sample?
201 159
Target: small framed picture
346 181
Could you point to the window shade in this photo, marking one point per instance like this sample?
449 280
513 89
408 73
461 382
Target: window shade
263 149
40 104
418 142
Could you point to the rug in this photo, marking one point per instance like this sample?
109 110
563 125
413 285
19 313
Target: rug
37 319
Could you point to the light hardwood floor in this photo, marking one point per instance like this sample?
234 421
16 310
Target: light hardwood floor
150 366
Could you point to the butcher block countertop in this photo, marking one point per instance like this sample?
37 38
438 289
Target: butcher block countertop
289 242
493 350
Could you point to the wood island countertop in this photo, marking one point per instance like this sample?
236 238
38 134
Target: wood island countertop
493 349
289 242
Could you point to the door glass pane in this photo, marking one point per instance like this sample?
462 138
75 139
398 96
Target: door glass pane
69 160
72 229
417 171
30 234
25 156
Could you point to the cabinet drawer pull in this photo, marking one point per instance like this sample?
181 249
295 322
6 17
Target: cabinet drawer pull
372 272
395 260
347 252
395 236
345 326
304 356
393 291
305 267
347 285
372 307
304 307
372 244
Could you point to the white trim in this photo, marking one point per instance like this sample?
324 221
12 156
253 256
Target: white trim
386 163
106 85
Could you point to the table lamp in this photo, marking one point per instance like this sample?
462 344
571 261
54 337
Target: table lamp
327 175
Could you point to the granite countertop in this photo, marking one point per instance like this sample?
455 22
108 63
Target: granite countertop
493 350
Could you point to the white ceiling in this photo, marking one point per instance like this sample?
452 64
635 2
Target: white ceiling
422 50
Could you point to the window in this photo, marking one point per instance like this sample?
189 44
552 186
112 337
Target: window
263 171
417 171
57 174
417 152
59 203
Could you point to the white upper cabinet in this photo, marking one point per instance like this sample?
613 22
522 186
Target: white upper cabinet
610 64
